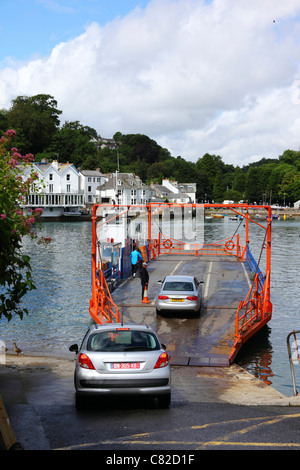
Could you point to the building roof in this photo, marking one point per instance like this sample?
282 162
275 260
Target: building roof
91 173
127 181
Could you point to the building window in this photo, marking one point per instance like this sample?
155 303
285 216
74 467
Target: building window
133 192
68 188
68 177
89 189
51 176
119 182
50 188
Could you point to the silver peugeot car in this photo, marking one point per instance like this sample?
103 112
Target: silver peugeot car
122 359
179 293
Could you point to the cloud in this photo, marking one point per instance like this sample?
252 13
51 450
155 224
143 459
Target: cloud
219 77
56 6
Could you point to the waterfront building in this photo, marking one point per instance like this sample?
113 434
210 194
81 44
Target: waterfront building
297 205
63 190
124 188
90 180
58 190
173 191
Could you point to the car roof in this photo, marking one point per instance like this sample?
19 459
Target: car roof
179 278
131 326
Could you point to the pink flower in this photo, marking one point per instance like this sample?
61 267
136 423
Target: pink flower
12 162
28 158
11 133
17 155
3 216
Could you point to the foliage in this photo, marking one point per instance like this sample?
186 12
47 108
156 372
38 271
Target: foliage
15 269
36 120
73 143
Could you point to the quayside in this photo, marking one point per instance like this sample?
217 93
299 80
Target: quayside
172 240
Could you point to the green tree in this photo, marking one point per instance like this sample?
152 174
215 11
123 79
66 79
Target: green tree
15 270
252 190
290 186
37 120
203 188
73 143
218 188
239 180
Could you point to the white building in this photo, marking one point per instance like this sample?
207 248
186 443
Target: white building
297 205
59 189
175 192
90 180
124 188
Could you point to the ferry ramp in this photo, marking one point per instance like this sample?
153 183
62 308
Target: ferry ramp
205 340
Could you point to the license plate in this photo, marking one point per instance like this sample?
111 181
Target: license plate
125 365
177 300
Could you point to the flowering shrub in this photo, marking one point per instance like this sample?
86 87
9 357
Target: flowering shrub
15 270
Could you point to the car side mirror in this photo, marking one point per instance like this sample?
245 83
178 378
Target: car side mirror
74 348
159 282
163 346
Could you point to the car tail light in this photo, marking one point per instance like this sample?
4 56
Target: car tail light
192 297
163 297
85 362
162 361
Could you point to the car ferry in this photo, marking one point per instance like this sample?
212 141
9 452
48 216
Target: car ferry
235 286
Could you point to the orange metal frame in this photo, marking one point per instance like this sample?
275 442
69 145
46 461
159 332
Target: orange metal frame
253 312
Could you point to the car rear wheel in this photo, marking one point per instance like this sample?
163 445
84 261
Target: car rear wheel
164 401
80 402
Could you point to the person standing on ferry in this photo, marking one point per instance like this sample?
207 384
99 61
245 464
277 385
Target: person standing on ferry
135 256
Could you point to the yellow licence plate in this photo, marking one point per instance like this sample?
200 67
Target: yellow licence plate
177 300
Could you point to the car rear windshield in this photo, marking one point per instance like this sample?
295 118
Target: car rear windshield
178 286
123 340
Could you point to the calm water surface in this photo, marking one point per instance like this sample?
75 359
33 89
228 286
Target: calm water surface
58 308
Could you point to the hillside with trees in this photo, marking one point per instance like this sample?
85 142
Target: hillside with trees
36 120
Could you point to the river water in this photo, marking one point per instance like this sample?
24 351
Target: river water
59 307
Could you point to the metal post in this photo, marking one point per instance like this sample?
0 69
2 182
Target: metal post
291 359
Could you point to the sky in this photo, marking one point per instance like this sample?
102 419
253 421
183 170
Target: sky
197 76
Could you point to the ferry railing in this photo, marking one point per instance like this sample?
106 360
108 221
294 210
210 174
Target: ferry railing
171 246
102 307
254 312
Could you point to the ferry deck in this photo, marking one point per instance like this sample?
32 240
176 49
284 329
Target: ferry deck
191 340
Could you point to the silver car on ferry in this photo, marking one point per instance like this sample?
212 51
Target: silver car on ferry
179 293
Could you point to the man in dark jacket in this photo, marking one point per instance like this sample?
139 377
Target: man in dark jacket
144 278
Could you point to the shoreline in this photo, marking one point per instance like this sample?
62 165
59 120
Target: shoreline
231 384
288 212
